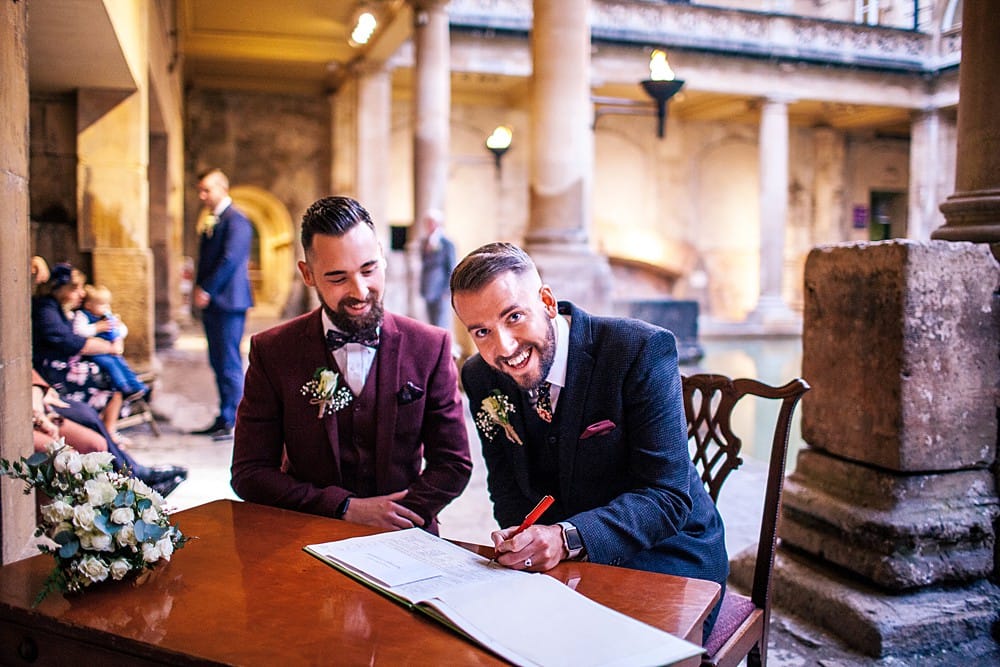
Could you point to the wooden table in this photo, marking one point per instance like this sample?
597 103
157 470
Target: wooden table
244 592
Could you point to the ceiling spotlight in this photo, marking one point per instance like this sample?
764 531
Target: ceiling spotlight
364 27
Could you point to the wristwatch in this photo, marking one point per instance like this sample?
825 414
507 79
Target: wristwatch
571 539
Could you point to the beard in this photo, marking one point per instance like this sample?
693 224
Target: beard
352 324
546 357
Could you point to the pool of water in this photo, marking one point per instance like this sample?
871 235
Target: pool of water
774 360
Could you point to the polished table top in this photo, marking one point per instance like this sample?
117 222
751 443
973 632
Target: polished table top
244 592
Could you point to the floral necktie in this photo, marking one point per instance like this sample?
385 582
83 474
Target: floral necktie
543 401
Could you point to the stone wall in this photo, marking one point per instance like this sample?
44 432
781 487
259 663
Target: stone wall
279 143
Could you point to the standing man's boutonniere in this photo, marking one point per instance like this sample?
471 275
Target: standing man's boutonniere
324 392
207 225
496 409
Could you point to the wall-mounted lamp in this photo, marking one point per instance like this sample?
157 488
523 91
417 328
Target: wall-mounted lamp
661 86
499 142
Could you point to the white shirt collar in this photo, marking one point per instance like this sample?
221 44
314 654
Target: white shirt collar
223 205
557 374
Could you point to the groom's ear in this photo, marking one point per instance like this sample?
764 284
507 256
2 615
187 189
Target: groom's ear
548 300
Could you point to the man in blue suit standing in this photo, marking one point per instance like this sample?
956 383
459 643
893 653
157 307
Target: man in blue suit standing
588 410
222 292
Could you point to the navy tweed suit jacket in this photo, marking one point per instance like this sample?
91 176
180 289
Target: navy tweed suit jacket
632 492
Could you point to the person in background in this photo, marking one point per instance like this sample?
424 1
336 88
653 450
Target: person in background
437 254
94 318
60 355
588 410
350 411
222 293
80 427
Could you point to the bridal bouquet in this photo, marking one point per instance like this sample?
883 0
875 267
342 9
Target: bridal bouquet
97 523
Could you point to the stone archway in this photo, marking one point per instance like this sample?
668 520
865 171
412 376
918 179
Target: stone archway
272 259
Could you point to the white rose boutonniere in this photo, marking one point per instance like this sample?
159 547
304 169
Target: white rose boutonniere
323 390
207 225
496 410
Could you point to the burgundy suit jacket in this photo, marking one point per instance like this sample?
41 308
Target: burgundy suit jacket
421 443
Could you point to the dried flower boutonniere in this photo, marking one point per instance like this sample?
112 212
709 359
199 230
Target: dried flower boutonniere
496 410
323 391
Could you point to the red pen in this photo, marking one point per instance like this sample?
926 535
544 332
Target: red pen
533 515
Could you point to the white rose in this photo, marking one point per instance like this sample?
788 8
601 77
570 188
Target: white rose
165 546
97 461
100 491
327 383
119 568
151 515
57 511
123 515
68 460
93 568
83 516
150 552
126 536
139 487
101 542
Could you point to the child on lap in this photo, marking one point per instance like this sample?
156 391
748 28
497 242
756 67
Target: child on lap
96 319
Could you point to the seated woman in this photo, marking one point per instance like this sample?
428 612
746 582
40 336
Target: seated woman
82 429
58 353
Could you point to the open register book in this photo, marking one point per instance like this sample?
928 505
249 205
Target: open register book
525 618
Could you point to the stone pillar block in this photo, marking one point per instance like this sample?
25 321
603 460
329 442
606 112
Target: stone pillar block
128 273
900 346
898 531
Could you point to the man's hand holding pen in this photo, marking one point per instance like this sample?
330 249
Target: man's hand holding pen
530 547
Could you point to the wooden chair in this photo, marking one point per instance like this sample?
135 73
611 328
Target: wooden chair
742 625
136 409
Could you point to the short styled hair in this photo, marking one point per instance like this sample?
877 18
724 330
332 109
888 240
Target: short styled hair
482 266
213 171
332 216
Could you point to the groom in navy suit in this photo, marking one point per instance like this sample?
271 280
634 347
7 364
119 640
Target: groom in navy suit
222 291
588 410
350 411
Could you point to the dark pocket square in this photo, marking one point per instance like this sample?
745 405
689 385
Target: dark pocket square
599 428
409 393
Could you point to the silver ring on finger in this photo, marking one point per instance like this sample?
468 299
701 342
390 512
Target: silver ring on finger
527 563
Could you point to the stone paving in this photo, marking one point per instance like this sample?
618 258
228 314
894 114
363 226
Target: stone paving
185 399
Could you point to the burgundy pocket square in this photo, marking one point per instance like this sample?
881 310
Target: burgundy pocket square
600 428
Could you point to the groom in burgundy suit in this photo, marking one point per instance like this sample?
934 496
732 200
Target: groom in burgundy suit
349 411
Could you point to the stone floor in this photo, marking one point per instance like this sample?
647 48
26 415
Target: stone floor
185 399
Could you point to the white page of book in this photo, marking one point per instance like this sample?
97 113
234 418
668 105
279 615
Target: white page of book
539 621
423 565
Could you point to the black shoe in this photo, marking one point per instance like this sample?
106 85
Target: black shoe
224 433
219 423
158 474
167 486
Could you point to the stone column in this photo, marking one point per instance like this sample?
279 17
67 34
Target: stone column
373 113
17 510
930 136
431 126
113 204
899 345
972 213
562 149
828 186
771 311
